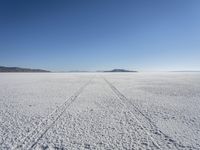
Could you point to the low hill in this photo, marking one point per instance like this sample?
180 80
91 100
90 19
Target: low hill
18 69
120 70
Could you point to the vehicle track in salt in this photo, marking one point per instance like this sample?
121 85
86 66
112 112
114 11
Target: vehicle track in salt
31 139
160 139
103 123
138 138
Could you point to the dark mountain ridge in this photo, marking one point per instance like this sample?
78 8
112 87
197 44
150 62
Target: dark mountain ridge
18 69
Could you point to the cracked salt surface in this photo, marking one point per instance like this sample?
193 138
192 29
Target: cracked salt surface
100 111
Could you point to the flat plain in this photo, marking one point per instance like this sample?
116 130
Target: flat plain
100 110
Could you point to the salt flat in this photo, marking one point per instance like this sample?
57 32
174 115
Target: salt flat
100 110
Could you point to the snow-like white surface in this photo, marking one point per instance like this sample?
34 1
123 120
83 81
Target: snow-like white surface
99 110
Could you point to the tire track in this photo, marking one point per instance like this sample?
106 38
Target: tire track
168 141
31 139
140 140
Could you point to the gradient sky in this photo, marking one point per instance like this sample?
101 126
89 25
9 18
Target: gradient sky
100 34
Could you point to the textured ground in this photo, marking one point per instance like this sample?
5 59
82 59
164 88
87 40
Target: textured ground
100 111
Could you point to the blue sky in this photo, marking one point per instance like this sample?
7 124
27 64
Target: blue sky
100 34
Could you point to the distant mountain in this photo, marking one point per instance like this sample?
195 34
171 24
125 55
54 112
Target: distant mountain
77 71
119 70
18 69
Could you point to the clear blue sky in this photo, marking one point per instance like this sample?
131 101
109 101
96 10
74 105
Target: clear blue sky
100 34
